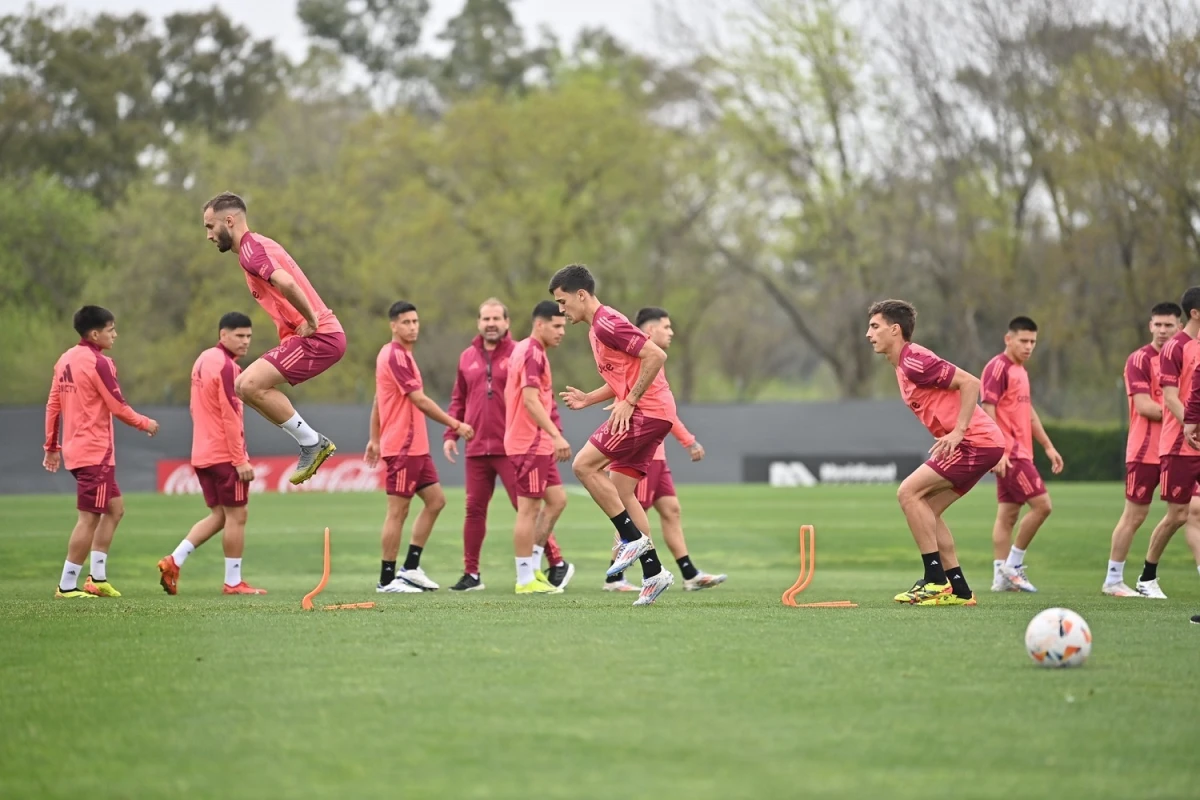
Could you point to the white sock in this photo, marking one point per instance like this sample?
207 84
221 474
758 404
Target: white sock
70 576
233 571
300 430
1116 573
181 553
996 565
99 566
538 551
1016 557
524 570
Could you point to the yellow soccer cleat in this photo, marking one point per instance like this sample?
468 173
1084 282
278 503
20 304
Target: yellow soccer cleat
923 594
311 459
73 594
100 588
537 587
910 595
949 599
538 575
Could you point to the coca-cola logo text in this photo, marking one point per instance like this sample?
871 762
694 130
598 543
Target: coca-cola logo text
341 473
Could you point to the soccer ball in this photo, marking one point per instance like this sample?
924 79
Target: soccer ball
1058 637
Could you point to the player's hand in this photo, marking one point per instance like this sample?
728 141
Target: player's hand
305 329
245 472
697 452
450 448
52 460
1001 467
1056 460
618 421
152 427
574 398
944 447
562 448
371 456
465 431
1192 433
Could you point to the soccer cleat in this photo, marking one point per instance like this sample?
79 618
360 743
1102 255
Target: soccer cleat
468 584
72 594
947 599
929 591
1119 590
242 588
910 595
653 587
703 581
1001 584
100 588
1196 619
398 586
1016 579
311 459
1150 589
169 578
418 578
537 587
561 575
628 553
620 586
538 575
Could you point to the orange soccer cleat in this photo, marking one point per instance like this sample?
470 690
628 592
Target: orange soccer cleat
170 575
242 588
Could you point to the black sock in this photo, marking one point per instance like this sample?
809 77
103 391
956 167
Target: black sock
625 527
934 573
388 573
959 582
413 559
687 568
1149 572
650 563
620 576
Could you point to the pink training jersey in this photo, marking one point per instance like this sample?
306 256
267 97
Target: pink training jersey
260 257
1006 386
925 380
403 431
527 366
218 428
1177 367
679 431
616 344
84 397
1142 377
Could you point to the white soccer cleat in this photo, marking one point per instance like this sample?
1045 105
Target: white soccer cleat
1119 590
397 586
1150 589
653 587
628 553
1001 584
620 586
1016 578
418 578
703 581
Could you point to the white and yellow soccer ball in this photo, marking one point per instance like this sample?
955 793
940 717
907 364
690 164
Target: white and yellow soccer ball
1058 637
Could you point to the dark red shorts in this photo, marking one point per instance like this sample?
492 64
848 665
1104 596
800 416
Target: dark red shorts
299 359
95 488
222 486
407 475
1140 482
1020 484
967 466
632 452
1178 478
657 483
534 474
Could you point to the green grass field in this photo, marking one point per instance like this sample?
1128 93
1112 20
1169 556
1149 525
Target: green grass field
723 693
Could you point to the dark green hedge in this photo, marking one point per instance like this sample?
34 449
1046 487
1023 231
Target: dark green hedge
1090 452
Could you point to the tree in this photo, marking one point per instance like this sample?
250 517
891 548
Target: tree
381 35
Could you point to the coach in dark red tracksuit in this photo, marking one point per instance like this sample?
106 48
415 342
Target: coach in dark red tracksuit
478 400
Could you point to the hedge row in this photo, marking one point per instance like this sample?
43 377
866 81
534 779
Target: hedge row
1090 452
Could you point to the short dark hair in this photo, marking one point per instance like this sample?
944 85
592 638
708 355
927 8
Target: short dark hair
400 307
234 320
92 318
572 278
650 314
896 312
1167 309
1190 301
225 201
1017 324
547 310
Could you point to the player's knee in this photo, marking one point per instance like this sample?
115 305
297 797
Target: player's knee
435 503
1042 505
236 515
906 494
115 511
244 387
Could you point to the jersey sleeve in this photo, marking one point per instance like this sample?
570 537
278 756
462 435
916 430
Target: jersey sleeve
619 333
232 421
682 434
927 370
1191 409
1170 364
110 392
995 382
53 414
255 260
1137 374
533 369
458 402
402 372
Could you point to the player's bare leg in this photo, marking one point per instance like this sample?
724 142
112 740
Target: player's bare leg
234 544
670 519
257 388
77 551
1008 577
525 530
922 497
201 532
554 503
1127 527
1175 518
433 500
97 579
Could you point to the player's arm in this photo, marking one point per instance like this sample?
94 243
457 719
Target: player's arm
1039 433
458 403
687 440
232 424
432 410
533 404
653 358
1137 384
577 399
1145 406
291 291
106 384
52 458
1191 414
968 388
1172 402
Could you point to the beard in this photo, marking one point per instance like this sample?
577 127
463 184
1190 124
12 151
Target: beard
224 240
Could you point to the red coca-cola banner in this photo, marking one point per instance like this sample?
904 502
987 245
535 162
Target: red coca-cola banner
340 473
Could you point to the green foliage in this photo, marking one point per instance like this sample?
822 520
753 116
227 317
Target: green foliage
1090 452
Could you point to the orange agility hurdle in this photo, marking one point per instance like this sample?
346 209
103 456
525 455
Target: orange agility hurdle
307 602
808 567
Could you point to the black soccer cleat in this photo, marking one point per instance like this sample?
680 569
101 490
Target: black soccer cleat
468 584
561 575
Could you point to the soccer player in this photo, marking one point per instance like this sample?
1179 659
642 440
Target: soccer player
533 443
478 397
969 444
1179 452
310 337
1006 399
657 489
399 434
84 397
1141 447
643 412
219 457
